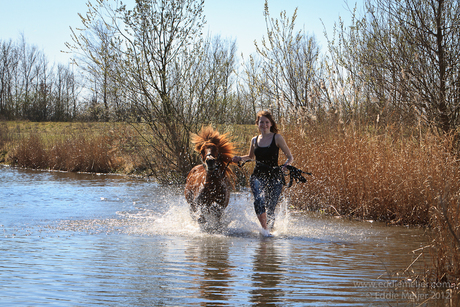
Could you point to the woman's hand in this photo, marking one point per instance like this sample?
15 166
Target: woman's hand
284 168
236 159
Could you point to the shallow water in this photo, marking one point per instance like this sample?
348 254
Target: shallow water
83 239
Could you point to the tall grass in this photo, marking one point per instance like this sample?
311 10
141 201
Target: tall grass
31 153
75 152
445 223
4 139
395 176
81 154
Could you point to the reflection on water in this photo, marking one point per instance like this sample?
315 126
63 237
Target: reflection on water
215 271
267 275
76 239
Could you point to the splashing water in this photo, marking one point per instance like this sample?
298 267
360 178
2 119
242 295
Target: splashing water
238 220
169 215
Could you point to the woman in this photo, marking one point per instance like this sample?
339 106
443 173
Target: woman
267 179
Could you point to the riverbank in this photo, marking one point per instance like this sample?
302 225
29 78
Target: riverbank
394 175
73 147
85 147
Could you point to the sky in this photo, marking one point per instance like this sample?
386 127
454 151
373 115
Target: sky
46 23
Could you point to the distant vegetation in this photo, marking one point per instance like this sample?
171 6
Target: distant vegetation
31 88
376 118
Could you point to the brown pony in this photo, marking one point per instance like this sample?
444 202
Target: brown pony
208 185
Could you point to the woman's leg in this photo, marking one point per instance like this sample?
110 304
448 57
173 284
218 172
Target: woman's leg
258 188
263 220
273 190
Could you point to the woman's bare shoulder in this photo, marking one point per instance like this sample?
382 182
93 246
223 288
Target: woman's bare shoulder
279 138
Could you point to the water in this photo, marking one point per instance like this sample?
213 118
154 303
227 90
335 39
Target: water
80 240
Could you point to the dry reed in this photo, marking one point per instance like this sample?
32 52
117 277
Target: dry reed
373 177
75 152
4 139
411 179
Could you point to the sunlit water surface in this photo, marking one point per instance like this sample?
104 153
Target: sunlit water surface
79 239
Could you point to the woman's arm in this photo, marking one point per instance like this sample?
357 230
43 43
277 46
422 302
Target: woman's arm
281 143
249 156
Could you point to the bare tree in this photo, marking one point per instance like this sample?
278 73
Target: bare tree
289 63
167 76
95 53
406 54
8 68
28 56
65 94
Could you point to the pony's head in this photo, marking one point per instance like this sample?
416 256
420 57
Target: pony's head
215 149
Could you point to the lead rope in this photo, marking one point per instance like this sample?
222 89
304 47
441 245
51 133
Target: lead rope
294 173
225 168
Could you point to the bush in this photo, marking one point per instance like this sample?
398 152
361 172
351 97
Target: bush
74 153
31 153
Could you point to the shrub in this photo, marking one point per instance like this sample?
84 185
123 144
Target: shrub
75 152
31 153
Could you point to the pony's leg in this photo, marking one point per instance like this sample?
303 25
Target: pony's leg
221 205
199 214
218 213
192 208
196 213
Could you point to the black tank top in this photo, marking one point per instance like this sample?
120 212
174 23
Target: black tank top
267 159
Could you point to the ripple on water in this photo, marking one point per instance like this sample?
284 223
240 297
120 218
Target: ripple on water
101 240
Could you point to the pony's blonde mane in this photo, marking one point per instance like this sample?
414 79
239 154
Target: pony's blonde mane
208 135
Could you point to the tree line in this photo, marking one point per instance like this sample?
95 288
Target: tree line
33 89
151 65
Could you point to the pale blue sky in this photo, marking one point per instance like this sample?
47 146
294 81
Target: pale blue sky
45 23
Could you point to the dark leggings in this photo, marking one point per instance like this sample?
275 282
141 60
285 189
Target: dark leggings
266 195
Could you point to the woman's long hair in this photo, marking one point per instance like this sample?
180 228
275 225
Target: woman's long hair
267 114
